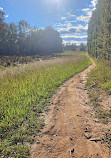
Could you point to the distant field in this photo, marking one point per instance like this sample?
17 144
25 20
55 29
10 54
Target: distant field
25 91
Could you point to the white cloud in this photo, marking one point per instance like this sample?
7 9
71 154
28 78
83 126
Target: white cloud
66 23
88 12
71 21
60 25
74 42
67 28
63 18
86 9
70 15
73 36
81 27
73 29
93 3
1 8
83 18
6 16
76 34
63 30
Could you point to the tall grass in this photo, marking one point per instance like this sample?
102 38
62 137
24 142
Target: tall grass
101 76
98 84
24 93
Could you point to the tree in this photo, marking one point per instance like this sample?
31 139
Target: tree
99 31
21 39
82 47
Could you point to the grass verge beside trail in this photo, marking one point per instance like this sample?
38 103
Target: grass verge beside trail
99 87
25 91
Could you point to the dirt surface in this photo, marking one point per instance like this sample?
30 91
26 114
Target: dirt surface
71 130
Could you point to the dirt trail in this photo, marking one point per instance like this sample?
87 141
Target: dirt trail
70 123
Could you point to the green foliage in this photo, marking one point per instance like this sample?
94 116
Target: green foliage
101 76
98 81
74 47
23 40
25 92
15 151
99 31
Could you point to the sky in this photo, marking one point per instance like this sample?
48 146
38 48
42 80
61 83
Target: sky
69 17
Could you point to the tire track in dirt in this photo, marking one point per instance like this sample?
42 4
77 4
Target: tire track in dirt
70 124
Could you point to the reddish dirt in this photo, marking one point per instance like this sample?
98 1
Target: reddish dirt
69 121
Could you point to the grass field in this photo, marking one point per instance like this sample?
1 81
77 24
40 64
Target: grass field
99 88
25 92
98 83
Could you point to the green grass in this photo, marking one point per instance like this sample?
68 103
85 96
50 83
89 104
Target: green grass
99 82
98 85
25 91
101 76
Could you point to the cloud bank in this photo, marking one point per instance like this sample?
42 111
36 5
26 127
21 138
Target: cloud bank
73 27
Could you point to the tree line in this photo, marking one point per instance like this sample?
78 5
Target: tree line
99 31
21 39
74 47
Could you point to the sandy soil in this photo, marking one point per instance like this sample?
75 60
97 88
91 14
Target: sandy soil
71 131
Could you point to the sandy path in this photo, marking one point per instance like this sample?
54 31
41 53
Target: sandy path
68 123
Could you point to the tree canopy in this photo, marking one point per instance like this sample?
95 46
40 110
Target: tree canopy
74 47
99 31
21 39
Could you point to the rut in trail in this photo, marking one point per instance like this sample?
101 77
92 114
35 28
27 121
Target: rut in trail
68 123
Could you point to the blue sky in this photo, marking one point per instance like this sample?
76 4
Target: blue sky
69 17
